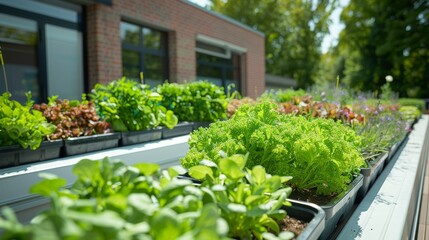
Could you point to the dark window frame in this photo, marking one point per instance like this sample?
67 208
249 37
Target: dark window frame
41 21
224 66
142 50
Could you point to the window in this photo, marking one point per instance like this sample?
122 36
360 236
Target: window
218 70
42 49
144 50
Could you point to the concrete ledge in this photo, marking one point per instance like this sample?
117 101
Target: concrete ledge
388 210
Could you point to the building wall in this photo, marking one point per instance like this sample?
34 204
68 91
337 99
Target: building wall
183 22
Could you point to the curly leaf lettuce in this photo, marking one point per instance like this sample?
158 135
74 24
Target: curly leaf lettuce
320 154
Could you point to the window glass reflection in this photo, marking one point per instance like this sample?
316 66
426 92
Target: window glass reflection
130 33
152 39
18 41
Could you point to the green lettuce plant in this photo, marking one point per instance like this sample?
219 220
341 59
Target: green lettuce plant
194 101
20 125
131 106
111 200
320 154
250 200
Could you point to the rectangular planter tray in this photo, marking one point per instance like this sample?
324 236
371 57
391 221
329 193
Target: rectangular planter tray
310 213
370 174
182 128
394 149
304 211
340 207
135 137
85 144
15 155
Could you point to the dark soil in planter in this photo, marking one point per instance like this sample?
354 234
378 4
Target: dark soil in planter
310 196
336 207
293 225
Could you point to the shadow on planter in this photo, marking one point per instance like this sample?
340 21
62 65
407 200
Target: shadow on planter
182 128
370 174
395 148
85 144
135 137
340 207
310 213
198 125
15 155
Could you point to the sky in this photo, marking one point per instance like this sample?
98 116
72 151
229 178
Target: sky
334 29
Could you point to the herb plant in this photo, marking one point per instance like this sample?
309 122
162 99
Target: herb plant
131 106
20 125
379 133
320 154
194 101
250 201
72 118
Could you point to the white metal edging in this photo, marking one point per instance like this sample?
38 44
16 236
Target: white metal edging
388 209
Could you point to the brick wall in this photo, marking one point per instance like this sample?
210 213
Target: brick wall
183 22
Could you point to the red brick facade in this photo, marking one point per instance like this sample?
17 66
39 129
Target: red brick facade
182 21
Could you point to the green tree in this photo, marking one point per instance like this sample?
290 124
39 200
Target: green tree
386 37
294 30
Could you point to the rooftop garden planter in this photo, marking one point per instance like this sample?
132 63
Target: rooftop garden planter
394 149
310 213
112 200
339 207
182 128
321 155
283 143
21 126
15 155
371 173
72 118
130 106
85 144
251 201
134 137
22 132
78 124
199 101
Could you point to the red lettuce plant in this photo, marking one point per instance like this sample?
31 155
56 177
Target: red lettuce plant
72 118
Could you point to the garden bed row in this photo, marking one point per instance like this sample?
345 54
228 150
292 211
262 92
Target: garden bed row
390 208
15 155
321 224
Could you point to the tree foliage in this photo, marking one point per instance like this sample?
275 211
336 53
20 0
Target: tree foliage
385 37
294 30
